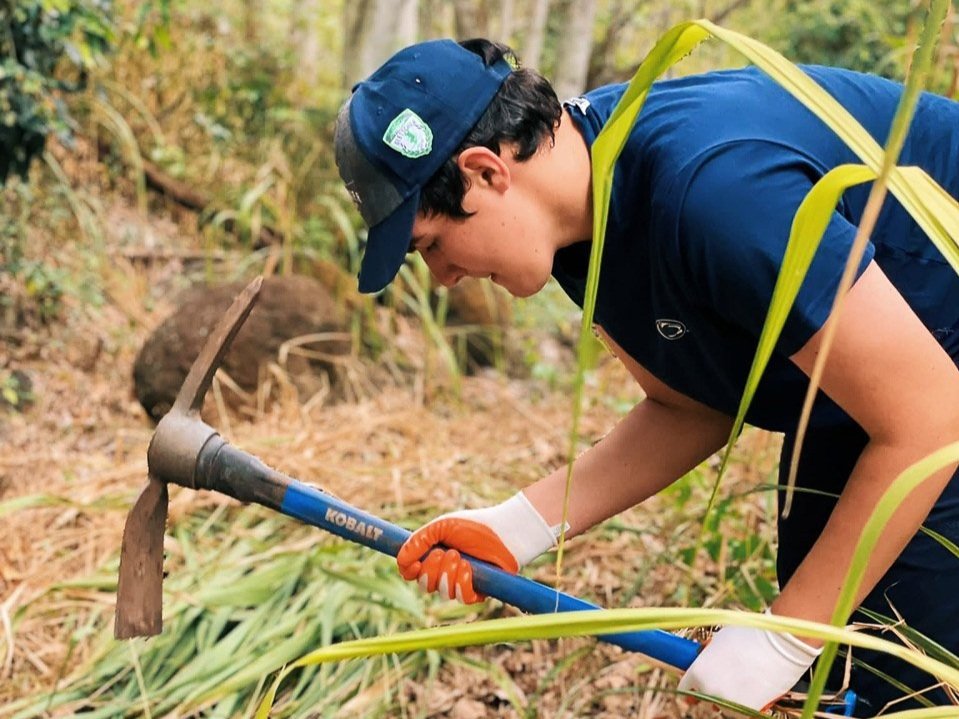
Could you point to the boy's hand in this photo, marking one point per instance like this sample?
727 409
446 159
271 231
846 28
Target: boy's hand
749 666
508 535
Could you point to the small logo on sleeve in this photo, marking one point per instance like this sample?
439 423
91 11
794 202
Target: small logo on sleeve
409 135
580 103
670 329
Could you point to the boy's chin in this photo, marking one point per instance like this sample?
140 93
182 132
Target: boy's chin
521 290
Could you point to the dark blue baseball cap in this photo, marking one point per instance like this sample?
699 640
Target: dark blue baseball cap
395 132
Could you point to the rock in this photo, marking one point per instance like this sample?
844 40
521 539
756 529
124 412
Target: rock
288 307
480 314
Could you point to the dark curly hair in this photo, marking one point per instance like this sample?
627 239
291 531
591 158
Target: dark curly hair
525 112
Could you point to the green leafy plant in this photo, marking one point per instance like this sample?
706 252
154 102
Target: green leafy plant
47 47
15 389
864 35
34 288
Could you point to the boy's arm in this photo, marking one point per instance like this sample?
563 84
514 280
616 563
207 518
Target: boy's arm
661 439
889 374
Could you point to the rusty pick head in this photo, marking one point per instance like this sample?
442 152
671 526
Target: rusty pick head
171 458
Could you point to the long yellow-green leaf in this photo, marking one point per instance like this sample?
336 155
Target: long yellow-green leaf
905 111
933 211
944 541
603 622
674 45
923 205
33 501
808 227
930 209
891 500
945 210
944 712
838 119
921 62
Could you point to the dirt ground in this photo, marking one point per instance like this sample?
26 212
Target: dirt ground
72 463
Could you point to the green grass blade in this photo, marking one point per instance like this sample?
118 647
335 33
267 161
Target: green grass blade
920 640
944 712
891 499
944 541
808 227
604 622
921 62
923 205
674 45
936 214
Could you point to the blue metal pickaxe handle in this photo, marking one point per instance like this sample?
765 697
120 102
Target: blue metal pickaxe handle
224 468
327 512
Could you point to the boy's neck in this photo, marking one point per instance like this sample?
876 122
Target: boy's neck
559 178
571 174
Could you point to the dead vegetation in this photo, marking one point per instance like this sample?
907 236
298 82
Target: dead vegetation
71 465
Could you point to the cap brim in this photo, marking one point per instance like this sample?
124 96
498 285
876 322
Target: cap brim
386 246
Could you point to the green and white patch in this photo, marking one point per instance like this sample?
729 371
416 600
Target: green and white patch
409 135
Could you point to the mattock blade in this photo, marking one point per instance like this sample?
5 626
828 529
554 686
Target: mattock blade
171 458
140 587
190 397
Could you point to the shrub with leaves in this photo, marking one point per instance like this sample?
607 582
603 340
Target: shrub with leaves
863 35
46 49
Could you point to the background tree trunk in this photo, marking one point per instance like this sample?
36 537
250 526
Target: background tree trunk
306 39
532 54
466 19
575 44
407 25
506 19
374 30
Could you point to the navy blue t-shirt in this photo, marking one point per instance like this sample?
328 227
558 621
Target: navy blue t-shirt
704 195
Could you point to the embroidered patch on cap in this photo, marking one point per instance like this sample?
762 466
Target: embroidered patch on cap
409 135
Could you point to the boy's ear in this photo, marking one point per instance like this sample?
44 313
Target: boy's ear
484 168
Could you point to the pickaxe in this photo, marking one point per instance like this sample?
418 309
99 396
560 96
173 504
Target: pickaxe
188 452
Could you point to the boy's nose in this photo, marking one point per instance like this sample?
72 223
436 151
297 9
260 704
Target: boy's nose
452 278
445 273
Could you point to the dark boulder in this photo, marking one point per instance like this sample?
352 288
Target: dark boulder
288 307
478 320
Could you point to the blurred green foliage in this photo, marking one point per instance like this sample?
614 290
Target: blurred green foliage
250 92
34 289
864 35
46 49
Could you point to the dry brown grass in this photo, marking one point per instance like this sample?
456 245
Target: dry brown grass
398 454
408 447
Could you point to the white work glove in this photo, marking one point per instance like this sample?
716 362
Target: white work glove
509 535
749 666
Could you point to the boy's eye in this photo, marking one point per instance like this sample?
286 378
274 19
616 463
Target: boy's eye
421 244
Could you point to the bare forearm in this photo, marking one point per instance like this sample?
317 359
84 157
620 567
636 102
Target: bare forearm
814 589
651 447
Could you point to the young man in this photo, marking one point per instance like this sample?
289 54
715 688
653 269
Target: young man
451 151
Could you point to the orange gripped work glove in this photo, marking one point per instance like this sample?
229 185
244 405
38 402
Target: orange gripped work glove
508 535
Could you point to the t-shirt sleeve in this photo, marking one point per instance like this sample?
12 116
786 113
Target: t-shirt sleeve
732 228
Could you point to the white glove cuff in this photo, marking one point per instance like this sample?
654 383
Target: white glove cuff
517 523
791 648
